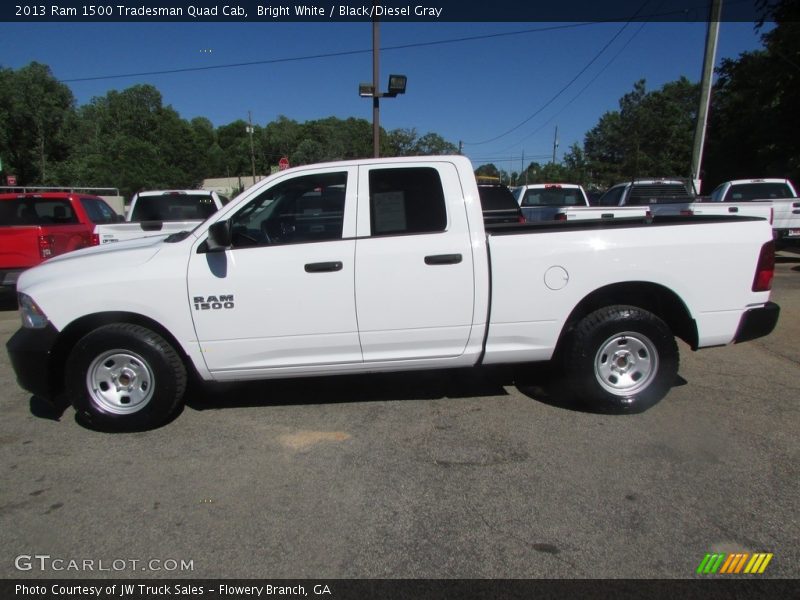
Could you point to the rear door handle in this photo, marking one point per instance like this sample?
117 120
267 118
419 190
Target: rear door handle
443 259
324 267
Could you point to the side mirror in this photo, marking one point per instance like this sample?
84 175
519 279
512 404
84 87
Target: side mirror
219 236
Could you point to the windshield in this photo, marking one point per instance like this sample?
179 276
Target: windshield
758 191
173 207
36 211
553 196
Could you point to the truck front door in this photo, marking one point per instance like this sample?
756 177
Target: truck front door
282 296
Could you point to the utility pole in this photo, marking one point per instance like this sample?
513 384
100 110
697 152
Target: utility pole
252 150
555 144
712 36
376 96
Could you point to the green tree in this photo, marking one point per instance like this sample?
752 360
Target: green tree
650 135
754 102
34 107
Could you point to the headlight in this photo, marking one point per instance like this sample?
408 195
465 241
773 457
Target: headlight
32 316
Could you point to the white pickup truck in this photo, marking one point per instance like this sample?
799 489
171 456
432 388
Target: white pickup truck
161 212
779 194
385 265
567 202
664 197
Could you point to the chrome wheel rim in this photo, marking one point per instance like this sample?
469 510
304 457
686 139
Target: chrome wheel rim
626 364
120 382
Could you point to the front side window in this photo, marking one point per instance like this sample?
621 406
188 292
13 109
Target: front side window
98 211
309 208
404 201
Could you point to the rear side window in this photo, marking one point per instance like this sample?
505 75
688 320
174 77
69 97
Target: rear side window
37 211
98 211
611 197
406 201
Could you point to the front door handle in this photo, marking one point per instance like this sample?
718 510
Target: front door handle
443 259
324 267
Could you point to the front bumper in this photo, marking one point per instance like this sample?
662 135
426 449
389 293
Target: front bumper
8 277
31 354
757 322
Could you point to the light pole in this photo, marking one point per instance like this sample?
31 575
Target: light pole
250 130
712 37
397 85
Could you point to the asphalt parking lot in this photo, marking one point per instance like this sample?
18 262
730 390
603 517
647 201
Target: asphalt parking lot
441 475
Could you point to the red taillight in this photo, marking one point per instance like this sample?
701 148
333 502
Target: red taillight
95 239
521 219
687 212
46 243
765 269
560 217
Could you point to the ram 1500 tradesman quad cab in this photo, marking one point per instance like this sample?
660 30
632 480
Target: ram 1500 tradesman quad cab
385 265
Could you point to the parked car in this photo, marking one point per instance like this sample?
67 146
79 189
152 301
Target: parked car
394 269
162 212
780 194
675 197
543 201
499 204
38 226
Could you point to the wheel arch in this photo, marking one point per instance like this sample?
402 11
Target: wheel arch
652 297
73 332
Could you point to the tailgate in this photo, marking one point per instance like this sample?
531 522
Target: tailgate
787 215
19 247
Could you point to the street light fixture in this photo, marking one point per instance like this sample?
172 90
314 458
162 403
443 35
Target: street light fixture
397 85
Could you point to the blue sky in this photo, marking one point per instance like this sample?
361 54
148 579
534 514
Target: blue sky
471 90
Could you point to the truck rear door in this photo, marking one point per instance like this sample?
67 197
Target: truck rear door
414 285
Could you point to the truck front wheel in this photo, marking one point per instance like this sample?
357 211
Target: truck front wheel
621 357
124 376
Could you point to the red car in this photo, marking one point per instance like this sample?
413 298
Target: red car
36 226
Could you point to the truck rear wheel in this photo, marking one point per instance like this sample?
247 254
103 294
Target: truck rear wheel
125 376
621 357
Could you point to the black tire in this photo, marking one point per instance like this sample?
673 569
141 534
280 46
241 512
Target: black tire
621 358
125 377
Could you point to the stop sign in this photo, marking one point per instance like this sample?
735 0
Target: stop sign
283 163
12 179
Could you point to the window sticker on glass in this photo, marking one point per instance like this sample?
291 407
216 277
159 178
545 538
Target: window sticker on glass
390 212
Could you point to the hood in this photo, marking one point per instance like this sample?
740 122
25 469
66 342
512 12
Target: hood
121 255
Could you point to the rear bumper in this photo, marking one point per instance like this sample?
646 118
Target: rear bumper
757 322
31 354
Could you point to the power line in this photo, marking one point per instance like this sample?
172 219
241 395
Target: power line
567 86
580 92
273 61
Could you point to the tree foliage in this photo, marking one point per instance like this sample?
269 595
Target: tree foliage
755 101
130 140
34 108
